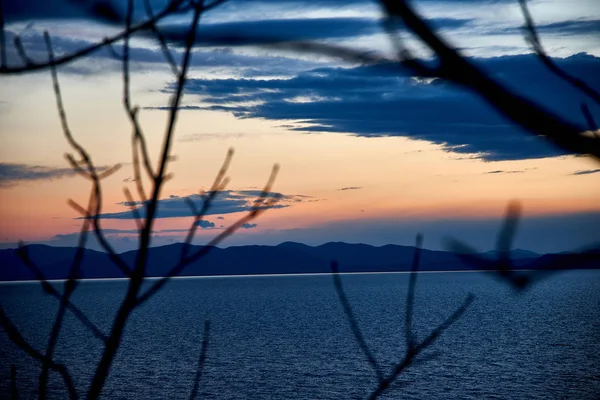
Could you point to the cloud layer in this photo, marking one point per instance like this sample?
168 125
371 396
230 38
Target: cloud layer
374 101
225 202
14 174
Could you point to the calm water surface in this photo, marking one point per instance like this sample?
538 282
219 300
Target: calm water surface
287 338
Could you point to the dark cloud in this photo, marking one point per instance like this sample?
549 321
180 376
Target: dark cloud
290 29
350 188
225 202
113 11
375 101
563 28
99 10
168 108
586 172
145 57
505 172
220 217
204 224
13 174
249 226
284 29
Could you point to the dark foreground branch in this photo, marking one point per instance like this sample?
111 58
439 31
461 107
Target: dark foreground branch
411 355
51 290
533 38
261 204
201 361
173 7
15 336
413 347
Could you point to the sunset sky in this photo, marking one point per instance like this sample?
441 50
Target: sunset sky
367 154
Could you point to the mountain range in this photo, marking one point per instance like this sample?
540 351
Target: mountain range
285 258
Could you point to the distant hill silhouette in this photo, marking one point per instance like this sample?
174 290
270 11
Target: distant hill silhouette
285 258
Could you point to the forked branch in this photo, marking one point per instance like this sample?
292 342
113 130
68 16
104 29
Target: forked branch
413 347
15 336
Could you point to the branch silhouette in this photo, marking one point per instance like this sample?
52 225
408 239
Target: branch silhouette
14 391
173 7
397 14
15 336
82 163
201 361
413 347
532 37
503 267
48 288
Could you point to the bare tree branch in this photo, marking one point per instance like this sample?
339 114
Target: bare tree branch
2 37
260 205
410 295
413 347
411 355
172 8
132 207
69 288
130 301
218 185
360 339
21 51
15 336
115 258
502 267
48 288
520 110
161 40
507 234
534 40
201 361
588 117
14 391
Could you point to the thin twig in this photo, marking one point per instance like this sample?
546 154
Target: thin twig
132 113
161 40
588 117
410 357
413 348
201 361
48 288
452 66
15 336
535 42
69 288
217 186
115 258
14 391
507 234
410 295
138 136
171 9
137 176
113 52
21 51
134 211
258 208
2 37
360 339
130 302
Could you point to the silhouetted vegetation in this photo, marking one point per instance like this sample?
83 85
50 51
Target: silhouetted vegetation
397 14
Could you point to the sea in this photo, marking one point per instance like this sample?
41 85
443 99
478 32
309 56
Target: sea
288 337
